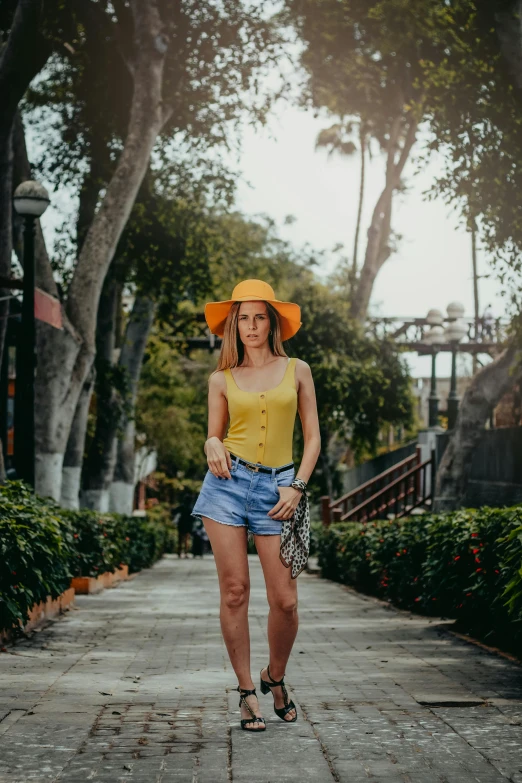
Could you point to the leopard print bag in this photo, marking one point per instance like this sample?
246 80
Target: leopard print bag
295 538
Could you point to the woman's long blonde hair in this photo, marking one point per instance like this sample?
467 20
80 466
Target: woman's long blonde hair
233 350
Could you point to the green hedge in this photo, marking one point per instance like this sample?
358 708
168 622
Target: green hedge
465 565
42 546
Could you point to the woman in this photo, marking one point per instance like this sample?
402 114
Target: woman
248 485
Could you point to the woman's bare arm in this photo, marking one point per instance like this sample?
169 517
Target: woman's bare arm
307 406
218 457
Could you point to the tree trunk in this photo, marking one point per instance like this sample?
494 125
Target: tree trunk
483 394
21 58
73 457
362 140
65 358
98 467
377 248
131 358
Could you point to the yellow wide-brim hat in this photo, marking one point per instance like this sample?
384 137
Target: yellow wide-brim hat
251 290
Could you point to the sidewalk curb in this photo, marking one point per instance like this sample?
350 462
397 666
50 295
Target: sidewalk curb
439 623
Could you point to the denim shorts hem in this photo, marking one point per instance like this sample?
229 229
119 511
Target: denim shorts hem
265 534
220 521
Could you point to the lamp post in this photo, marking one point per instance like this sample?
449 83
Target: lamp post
454 333
434 337
30 201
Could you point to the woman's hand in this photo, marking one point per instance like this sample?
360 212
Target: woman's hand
287 504
218 458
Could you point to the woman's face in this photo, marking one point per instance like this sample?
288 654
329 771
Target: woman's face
253 323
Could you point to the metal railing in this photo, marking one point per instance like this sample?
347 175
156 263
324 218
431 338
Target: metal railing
397 491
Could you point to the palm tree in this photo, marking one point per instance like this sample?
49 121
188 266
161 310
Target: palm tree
339 138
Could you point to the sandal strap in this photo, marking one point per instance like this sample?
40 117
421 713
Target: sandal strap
246 692
243 693
274 682
280 683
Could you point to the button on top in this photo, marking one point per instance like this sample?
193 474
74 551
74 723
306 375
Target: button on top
262 396
263 411
260 444
263 427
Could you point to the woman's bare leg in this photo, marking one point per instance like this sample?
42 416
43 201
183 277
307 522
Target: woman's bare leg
281 592
229 545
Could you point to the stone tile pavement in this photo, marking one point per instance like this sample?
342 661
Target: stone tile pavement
134 686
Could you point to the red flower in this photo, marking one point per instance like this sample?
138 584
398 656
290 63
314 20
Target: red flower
474 535
475 551
497 571
397 554
75 535
381 540
417 599
15 587
457 558
127 538
404 550
433 599
478 569
415 578
468 593
105 535
477 560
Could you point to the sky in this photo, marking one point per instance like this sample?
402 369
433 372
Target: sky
283 174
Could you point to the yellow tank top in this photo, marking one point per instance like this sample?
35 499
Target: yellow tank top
262 423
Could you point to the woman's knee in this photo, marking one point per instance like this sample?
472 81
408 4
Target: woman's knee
284 602
235 594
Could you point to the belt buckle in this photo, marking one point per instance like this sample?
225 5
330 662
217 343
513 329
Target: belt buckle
253 468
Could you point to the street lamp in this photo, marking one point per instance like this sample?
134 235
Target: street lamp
435 338
30 201
454 333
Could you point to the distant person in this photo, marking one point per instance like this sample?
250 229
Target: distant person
199 539
488 323
184 522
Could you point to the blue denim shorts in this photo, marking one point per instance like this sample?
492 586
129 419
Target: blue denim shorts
245 499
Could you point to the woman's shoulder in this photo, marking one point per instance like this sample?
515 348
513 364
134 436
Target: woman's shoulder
302 373
301 366
217 379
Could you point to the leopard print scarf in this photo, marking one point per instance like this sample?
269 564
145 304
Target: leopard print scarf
295 538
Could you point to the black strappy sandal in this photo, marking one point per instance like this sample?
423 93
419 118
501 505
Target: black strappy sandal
289 705
255 718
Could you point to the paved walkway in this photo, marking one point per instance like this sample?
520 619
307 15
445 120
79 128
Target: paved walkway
134 685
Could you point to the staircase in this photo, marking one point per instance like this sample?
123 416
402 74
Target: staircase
403 488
